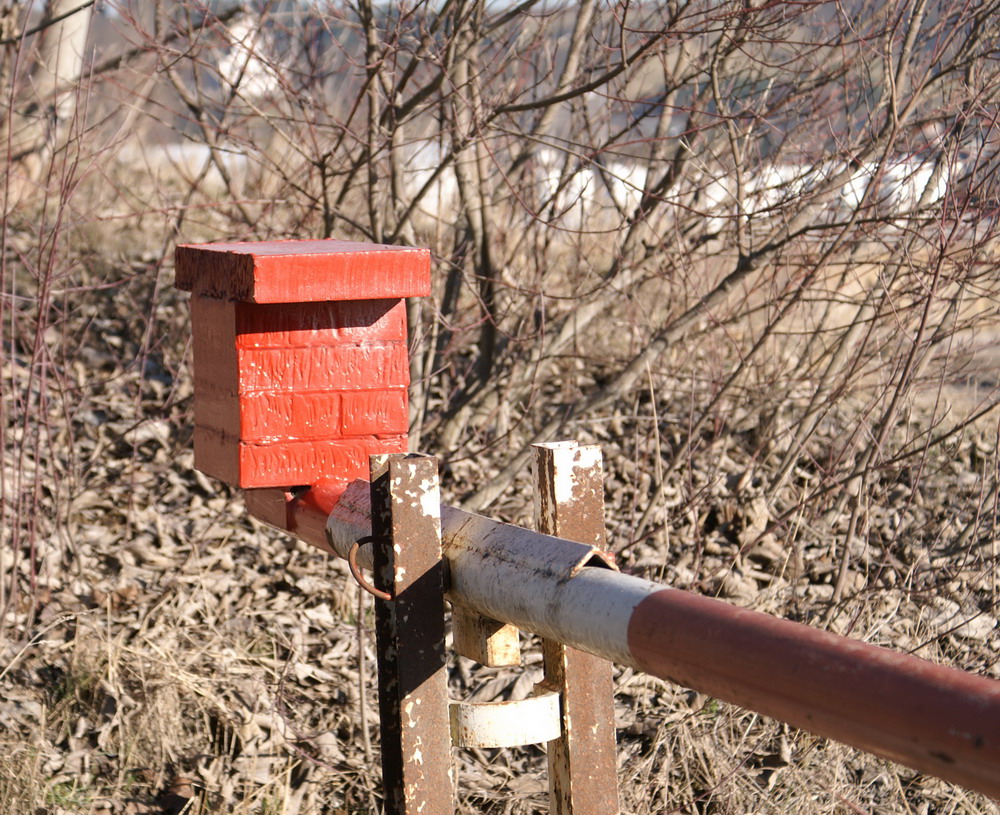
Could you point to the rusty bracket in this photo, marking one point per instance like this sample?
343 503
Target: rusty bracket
352 564
572 710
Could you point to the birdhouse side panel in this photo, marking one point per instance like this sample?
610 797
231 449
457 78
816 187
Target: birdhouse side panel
216 368
288 395
299 325
376 413
324 367
305 463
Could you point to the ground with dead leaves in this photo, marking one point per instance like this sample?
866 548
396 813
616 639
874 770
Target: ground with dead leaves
162 653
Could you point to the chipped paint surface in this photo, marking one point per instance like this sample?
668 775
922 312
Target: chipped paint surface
430 498
519 576
569 491
590 611
413 698
563 479
351 519
582 761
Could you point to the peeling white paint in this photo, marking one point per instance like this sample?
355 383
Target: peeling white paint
506 724
536 582
430 498
563 482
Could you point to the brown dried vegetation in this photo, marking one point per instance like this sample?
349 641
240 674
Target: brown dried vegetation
749 249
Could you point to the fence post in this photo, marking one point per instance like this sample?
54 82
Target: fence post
569 503
413 692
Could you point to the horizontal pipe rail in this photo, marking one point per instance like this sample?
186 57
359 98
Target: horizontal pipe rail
935 719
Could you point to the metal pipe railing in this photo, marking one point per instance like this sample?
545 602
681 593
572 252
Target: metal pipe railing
932 718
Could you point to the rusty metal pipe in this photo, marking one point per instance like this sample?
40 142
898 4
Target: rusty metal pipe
932 718
935 719
929 717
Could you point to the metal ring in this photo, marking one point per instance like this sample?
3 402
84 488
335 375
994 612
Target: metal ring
352 563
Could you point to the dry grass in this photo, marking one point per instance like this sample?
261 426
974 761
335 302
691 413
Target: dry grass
164 651
160 652
217 655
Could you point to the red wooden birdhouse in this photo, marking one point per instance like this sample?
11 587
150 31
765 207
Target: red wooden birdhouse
300 360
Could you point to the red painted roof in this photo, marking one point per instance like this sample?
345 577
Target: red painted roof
302 271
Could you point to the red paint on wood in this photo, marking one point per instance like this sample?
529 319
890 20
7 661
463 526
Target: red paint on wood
303 513
311 462
302 271
374 412
334 367
271 416
295 325
287 463
350 367
307 512
300 356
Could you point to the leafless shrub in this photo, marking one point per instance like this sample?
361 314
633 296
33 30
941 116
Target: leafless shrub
750 249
